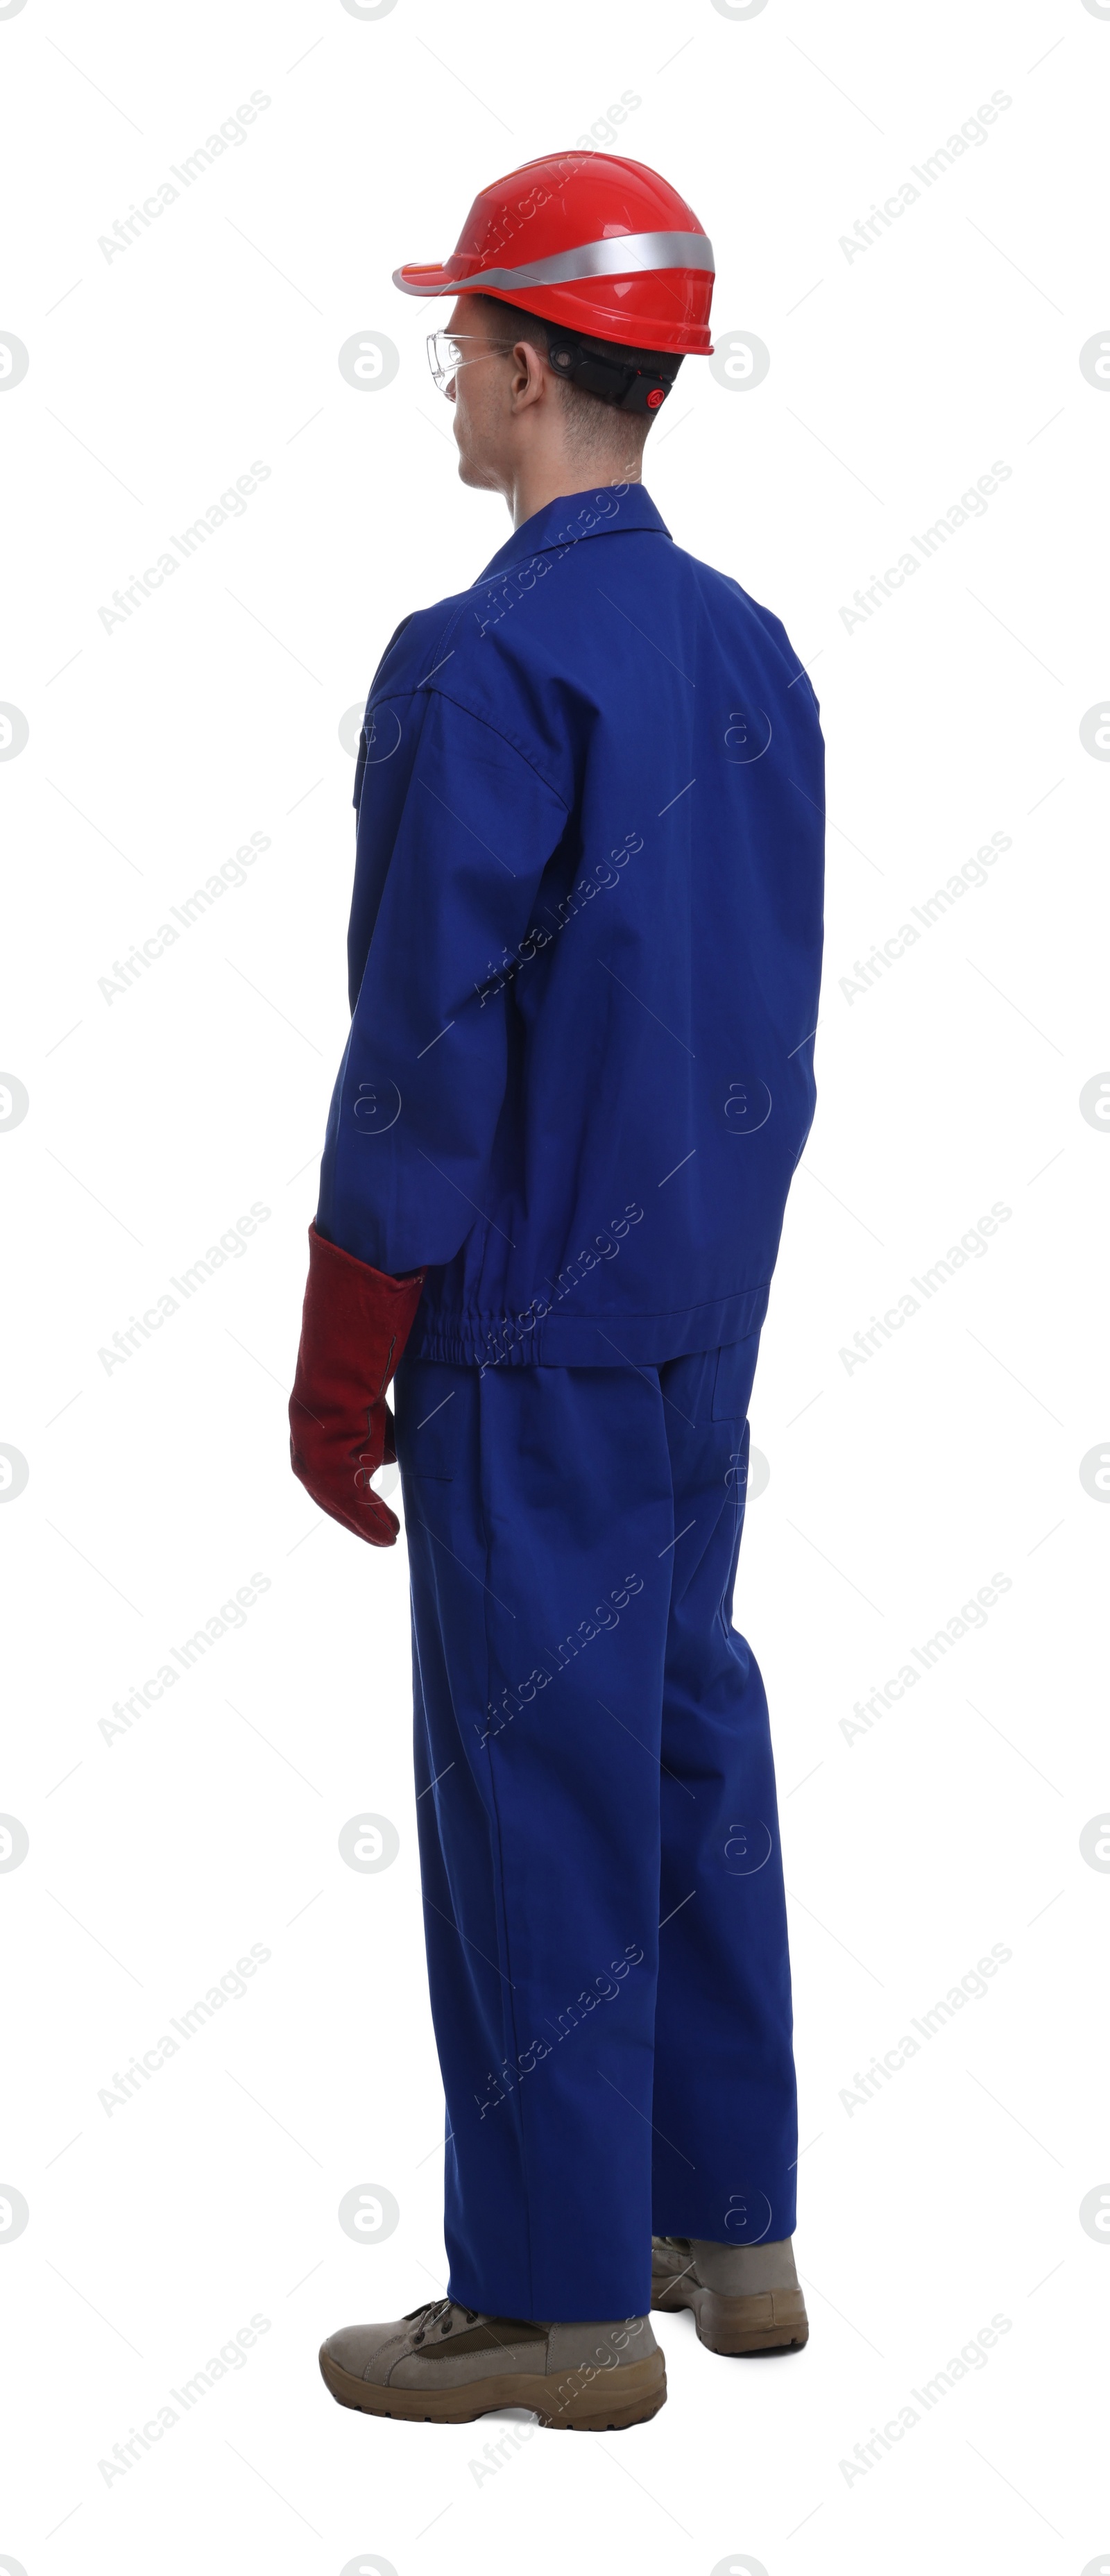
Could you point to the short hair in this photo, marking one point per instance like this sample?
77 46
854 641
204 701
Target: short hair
591 421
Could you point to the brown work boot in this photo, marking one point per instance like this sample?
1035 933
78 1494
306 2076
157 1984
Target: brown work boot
443 2364
745 2298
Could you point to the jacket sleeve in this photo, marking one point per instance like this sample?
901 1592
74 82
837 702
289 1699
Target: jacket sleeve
454 835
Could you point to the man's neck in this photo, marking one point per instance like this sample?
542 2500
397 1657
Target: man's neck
535 485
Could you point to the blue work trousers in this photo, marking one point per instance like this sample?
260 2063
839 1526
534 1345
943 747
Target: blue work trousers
599 1843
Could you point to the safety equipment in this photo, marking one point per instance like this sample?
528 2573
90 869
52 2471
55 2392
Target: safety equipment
354 1328
745 2298
449 351
626 379
638 381
424 2367
590 240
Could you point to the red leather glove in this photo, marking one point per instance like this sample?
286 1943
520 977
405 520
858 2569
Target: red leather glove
354 1328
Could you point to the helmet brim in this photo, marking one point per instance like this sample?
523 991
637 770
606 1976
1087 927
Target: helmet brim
585 305
425 278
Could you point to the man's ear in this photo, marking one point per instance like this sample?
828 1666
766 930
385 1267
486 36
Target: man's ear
528 365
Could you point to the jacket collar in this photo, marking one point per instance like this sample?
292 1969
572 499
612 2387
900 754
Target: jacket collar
605 510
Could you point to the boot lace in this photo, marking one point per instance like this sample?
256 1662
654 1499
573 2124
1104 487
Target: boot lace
436 2312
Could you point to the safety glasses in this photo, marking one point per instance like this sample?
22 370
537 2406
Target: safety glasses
450 350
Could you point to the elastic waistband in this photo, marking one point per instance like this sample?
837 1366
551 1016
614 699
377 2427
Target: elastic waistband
587 1341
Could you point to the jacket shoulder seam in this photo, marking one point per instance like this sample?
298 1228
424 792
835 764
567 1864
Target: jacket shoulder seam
512 740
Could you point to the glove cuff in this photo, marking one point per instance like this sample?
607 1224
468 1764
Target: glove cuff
356 1319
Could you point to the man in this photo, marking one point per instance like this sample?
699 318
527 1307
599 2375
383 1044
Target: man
584 963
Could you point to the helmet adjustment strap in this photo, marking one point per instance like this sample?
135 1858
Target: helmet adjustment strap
636 380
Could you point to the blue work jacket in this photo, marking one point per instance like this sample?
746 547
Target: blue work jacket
584 951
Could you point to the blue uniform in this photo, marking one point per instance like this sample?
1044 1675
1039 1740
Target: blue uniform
584 951
584 964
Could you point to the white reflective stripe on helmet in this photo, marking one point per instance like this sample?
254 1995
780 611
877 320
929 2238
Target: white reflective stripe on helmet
623 254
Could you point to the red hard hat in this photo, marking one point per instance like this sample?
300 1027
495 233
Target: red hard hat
588 239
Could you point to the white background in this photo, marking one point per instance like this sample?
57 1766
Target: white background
158 1117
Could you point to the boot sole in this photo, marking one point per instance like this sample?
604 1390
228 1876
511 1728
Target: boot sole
764 2321
568 2401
